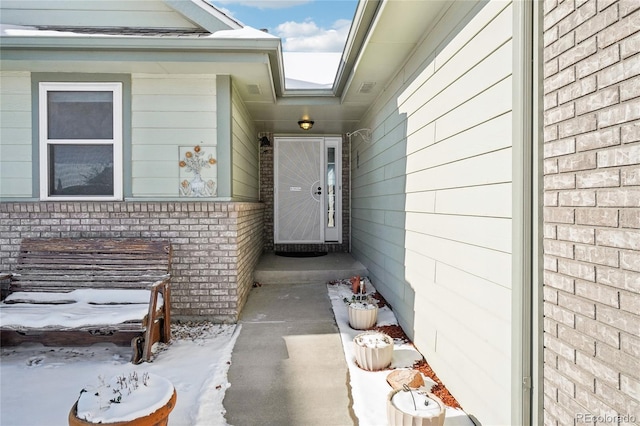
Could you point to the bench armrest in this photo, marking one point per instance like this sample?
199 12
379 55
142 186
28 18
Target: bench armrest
163 281
5 276
160 287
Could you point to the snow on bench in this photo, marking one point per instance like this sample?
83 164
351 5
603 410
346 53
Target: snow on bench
81 291
75 309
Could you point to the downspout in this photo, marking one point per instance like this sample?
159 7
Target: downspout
523 215
350 196
537 355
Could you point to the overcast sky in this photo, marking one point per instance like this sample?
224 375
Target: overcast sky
303 25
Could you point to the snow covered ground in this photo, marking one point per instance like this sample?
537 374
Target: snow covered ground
39 385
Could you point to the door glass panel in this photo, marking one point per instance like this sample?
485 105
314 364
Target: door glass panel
331 188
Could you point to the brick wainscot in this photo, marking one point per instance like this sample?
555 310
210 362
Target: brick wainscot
216 245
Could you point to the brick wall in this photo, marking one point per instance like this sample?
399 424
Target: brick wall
266 196
215 245
591 212
266 190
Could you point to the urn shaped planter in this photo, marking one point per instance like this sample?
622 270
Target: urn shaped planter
373 350
147 401
414 407
362 316
363 311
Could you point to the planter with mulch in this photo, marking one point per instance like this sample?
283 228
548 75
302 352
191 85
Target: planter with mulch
125 400
373 350
414 407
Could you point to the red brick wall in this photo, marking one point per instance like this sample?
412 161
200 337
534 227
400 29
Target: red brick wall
591 211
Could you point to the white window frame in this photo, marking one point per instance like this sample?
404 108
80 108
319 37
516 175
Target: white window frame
333 235
116 142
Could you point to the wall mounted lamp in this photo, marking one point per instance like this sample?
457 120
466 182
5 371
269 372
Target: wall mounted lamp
264 141
305 124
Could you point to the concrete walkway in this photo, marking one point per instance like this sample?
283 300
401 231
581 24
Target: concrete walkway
288 366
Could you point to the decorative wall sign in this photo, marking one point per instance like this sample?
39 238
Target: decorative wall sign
198 171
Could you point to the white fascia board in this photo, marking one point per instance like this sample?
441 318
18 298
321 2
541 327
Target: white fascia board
262 49
309 93
204 15
135 42
366 13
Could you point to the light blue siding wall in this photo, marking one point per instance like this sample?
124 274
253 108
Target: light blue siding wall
432 202
244 151
89 13
169 111
15 135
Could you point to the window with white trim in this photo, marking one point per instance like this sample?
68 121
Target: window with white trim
80 141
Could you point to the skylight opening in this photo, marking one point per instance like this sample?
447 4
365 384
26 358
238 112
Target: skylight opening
313 34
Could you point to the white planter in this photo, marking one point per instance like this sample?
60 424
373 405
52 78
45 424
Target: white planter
373 350
362 316
401 411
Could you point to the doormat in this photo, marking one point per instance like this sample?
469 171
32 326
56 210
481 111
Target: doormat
301 253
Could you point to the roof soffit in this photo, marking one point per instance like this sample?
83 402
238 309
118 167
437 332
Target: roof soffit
396 30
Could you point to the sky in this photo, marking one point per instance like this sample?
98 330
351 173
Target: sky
303 25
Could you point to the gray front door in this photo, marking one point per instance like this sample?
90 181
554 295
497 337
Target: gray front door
299 197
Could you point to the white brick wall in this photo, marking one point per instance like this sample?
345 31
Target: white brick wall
591 211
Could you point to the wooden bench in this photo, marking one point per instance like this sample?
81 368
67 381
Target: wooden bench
78 292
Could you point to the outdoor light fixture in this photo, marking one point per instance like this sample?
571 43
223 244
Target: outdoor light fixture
264 141
305 124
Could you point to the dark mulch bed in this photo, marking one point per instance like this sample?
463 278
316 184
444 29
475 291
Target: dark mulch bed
396 332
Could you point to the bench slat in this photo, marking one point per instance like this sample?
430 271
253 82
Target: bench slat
91 254
103 271
104 245
96 259
79 275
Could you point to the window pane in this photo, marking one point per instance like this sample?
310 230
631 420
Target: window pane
331 155
81 170
331 188
80 115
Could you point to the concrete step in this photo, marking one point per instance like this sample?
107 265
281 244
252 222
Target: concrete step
272 269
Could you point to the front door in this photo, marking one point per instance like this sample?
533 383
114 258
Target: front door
306 190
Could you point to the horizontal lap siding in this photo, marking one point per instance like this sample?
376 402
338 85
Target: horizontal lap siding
244 151
15 134
432 204
169 111
118 13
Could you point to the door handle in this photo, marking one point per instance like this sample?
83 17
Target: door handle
319 192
